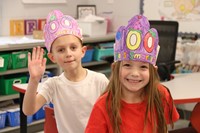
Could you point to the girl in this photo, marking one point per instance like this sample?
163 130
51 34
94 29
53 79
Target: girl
134 101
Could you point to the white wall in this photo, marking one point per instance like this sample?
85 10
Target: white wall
15 9
122 10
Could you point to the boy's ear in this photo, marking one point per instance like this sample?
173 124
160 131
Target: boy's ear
51 57
84 49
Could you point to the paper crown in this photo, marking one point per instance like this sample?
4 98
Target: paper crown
58 24
136 41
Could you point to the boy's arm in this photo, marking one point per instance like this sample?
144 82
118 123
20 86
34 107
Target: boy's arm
36 66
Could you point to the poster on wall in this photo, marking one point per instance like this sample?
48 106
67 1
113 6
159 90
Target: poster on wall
186 12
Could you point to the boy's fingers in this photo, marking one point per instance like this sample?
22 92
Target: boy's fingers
44 61
33 53
37 53
29 56
41 54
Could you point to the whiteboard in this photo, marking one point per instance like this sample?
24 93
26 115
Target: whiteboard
44 1
186 12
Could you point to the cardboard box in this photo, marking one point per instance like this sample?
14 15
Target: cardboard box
38 34
94 28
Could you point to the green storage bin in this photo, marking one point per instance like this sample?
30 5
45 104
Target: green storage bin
4 61
99 53
45 56
7 81
19 59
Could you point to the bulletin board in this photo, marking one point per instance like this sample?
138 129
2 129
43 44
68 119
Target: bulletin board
186 12
44 1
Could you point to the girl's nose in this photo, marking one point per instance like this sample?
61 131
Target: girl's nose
134 72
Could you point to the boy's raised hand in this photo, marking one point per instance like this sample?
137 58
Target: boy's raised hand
36 63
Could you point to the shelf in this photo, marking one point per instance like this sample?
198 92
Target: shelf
49 66
94 63
8 97
103 38
17 43
30 42
11 129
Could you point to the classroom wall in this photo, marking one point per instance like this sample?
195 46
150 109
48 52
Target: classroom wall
15 9
122 10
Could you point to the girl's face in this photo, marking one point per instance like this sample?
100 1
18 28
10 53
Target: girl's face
134 76
67 52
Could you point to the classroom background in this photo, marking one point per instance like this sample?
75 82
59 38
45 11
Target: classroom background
118 12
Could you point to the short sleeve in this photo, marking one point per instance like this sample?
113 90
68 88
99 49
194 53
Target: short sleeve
170 110
99 120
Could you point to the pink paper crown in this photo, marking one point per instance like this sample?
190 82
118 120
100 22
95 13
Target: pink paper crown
136 41
58 24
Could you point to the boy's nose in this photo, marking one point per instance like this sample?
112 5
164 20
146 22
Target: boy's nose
68 53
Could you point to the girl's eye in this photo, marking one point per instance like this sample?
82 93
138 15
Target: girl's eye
126 65
144 66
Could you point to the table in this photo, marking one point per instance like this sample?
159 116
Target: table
21 88
184 88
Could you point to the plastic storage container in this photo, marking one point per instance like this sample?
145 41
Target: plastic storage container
40 114
7 81
19 59
4 61
13 117
94 28
103 49
99 53
88 56
2 119
45 56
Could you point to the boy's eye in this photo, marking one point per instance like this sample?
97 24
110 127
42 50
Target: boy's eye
61 50
73 47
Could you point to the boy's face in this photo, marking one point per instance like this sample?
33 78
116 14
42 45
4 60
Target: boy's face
67 52
134 76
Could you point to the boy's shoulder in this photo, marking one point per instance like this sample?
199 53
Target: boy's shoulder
95 74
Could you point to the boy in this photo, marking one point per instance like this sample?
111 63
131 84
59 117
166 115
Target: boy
72 93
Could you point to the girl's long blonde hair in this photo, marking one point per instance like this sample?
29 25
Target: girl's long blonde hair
154 101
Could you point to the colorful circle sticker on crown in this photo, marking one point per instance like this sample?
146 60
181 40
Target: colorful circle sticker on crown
136 41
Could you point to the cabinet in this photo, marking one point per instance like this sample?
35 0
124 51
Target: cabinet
100 66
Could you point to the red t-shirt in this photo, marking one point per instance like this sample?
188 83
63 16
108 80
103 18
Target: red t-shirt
132 115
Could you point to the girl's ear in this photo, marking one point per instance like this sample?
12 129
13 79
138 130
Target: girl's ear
51 57
113 66
156 67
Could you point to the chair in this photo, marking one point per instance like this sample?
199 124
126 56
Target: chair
194 127
195 117
50 123
168 33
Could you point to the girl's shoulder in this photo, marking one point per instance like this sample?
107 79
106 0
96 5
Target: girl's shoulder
101 101
163 89
165 92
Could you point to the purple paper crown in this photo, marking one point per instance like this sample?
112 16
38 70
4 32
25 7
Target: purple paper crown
58 24
136 41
